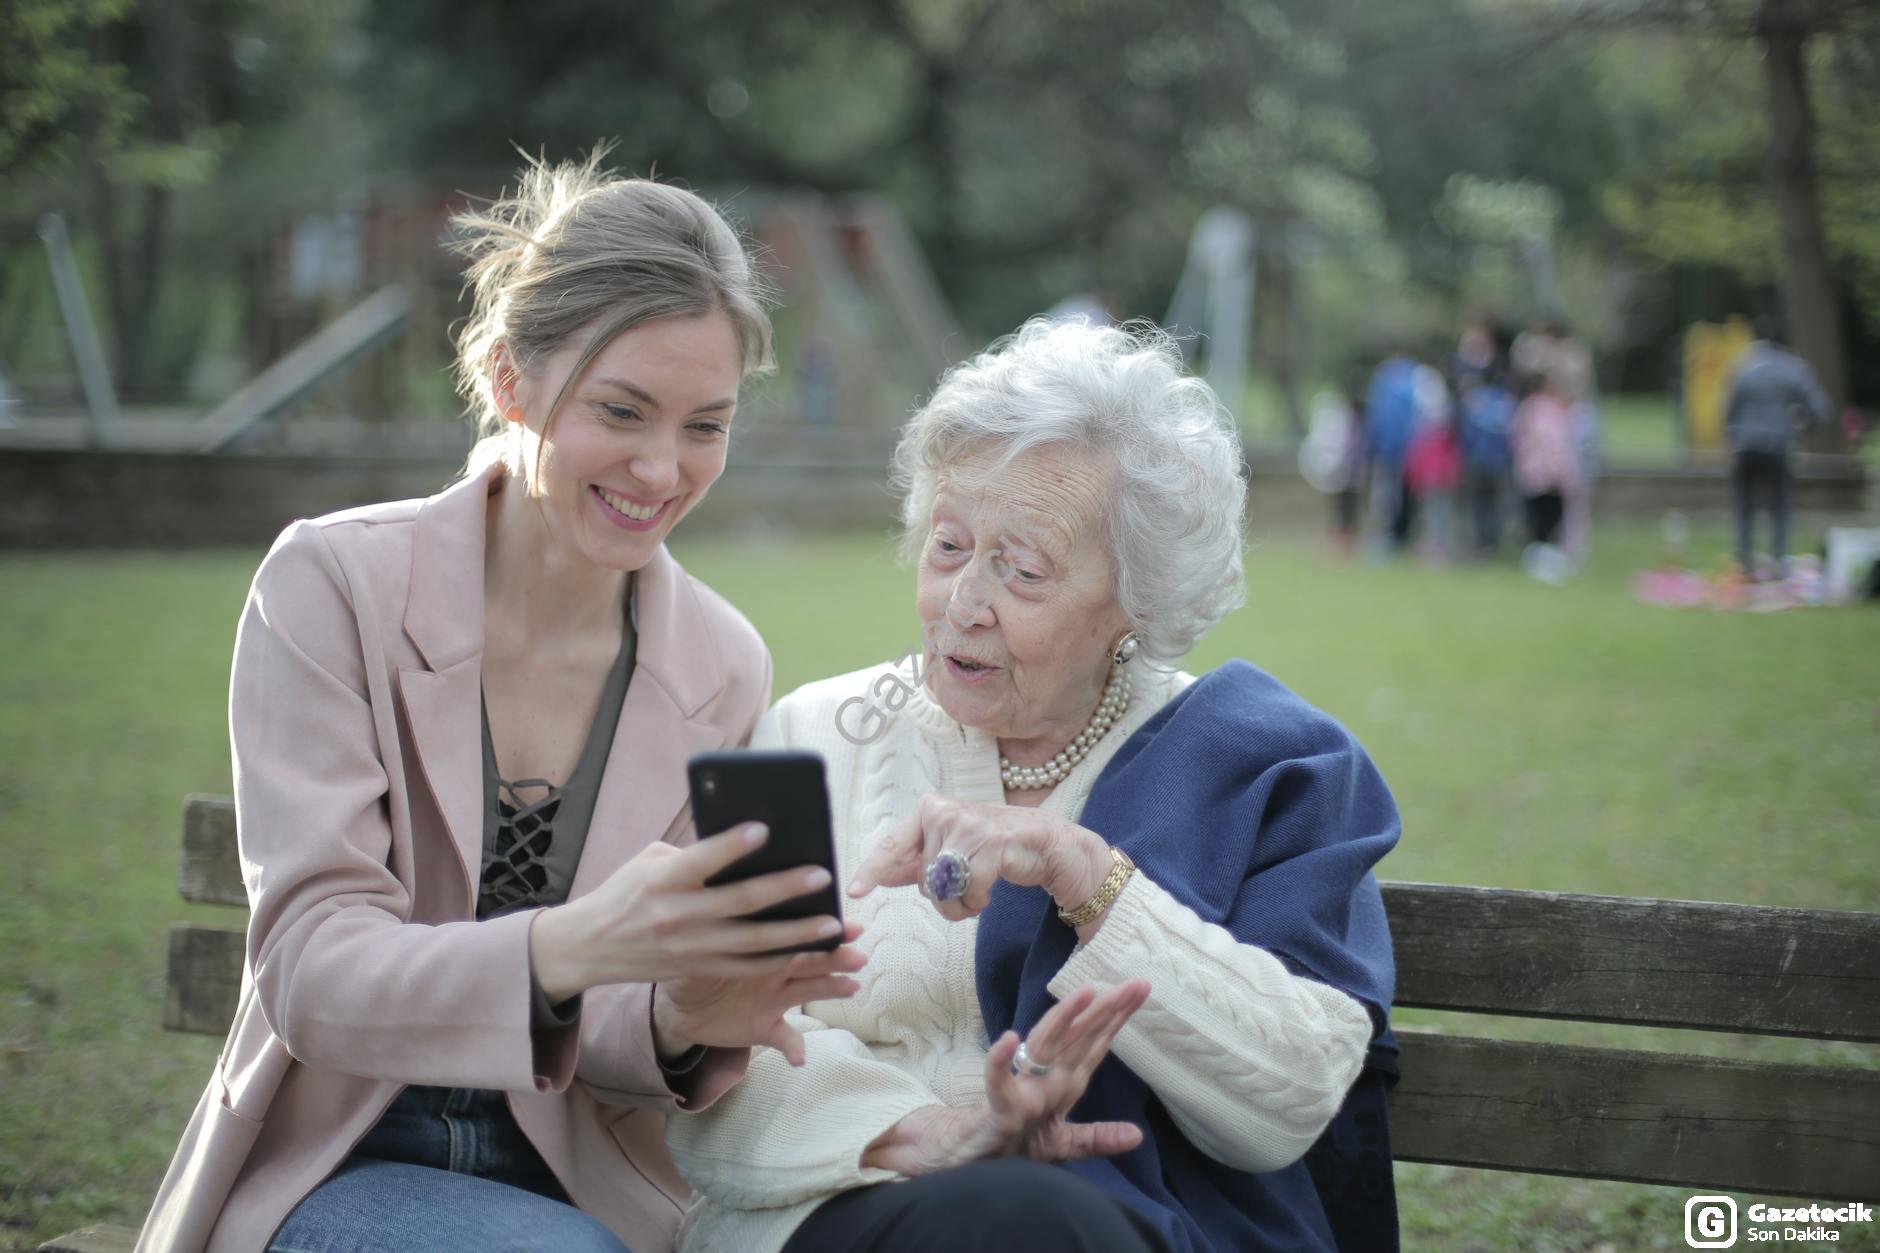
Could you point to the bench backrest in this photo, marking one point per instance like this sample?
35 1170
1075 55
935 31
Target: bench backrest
1601 1113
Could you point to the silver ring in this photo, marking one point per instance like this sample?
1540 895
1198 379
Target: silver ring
947 876
1022 1063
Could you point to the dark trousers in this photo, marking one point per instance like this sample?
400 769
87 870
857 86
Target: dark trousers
1764 475
1004 1203
1346 509
1544 514
1405 519
1485 494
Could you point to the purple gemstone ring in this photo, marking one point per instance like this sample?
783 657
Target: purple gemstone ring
948 876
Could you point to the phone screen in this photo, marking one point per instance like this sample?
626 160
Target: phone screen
786 791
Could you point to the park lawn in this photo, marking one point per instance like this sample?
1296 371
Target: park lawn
1563 738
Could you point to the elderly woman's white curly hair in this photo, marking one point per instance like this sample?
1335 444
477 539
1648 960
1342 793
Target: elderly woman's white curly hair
1173 524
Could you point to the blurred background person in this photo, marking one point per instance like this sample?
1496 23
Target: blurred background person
1487 405
1390 423
1433 466
1547 470
1481 349
1332 457
1549 351
1773 395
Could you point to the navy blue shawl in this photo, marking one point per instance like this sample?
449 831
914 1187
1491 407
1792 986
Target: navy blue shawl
1264 815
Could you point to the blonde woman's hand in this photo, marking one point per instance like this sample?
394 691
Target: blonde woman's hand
654 920
731 1013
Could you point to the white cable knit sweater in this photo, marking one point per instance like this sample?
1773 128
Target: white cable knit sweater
1251 1060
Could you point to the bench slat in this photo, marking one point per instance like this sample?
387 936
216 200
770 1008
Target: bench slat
204 981
1558 1109
1769 971
211 873
1756 969
99 1239
1543 1108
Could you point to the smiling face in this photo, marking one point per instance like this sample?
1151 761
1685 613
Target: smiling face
638 439
1016 595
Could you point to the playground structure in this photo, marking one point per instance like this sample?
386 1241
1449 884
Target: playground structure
862 331
862 328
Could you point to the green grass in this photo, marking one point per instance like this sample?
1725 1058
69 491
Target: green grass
1563 738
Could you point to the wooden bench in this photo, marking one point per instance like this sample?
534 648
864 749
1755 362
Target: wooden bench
1811 1132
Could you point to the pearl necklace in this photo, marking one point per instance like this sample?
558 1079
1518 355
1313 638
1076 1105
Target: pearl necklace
1109 709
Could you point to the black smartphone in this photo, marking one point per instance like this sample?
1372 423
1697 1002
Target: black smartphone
786 791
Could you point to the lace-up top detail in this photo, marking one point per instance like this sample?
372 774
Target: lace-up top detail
534 830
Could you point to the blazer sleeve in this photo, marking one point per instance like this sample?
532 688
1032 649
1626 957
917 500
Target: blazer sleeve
341 978
617 1061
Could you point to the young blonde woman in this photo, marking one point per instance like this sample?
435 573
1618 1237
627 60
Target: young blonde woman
482 964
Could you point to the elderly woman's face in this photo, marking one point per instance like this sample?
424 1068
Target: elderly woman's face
1017 595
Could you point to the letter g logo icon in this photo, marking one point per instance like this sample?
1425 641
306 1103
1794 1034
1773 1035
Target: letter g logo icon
1710 1222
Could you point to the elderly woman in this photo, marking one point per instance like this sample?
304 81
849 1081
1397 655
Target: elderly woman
1090 884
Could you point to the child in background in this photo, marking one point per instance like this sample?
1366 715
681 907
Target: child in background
1390 421
1548 472
1487 458
1433 468
1332 457
1577 520
1348 499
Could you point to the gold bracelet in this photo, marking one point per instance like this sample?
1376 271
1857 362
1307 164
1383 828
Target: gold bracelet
1093 908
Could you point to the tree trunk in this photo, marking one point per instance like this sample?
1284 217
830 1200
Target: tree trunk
112 270
1809 298
1277 315
145 290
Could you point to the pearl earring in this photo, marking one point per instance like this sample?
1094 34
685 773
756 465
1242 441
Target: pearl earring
1125 648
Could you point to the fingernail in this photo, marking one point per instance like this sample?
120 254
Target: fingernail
816 878
757 833
832 927
855 886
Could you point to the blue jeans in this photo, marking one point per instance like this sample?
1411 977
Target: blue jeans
445 1170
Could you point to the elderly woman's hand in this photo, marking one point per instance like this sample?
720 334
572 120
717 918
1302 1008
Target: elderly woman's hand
735 1012
1025 1114
1029 847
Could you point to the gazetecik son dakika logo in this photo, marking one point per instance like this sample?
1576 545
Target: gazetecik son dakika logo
1710 1221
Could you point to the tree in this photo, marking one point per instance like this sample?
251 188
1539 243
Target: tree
1037 148
115 110
1794 40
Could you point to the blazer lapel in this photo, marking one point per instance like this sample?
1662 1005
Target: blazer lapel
444 618
446 716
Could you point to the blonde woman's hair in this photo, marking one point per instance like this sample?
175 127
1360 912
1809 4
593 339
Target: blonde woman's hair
577 247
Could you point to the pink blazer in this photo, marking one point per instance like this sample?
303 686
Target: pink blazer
354 715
